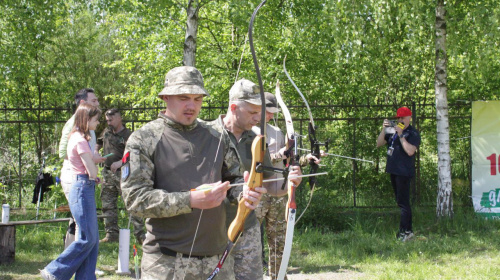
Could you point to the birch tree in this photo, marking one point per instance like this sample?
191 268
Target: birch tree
444 206
192 9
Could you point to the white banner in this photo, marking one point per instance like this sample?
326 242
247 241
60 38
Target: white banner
485 147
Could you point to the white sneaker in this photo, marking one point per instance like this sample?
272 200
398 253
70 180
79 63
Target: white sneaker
408 235
99 272
46 275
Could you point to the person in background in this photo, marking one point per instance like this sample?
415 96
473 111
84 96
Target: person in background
80 258
83 96
402 143
272 206
113 140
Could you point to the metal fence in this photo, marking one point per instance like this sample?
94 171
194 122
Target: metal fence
26 134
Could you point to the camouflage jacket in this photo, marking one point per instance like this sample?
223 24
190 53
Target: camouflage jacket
242 149
164 161
113 143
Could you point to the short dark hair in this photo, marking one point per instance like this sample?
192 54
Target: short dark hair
82 94
112 112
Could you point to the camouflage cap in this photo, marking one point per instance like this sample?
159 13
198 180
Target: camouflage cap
245 90
271 103
183 80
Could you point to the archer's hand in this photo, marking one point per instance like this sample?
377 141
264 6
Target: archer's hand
295 171
316 160
209 198
282 152
252 197
322 153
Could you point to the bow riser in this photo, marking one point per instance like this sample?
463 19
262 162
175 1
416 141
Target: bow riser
254 180
258 151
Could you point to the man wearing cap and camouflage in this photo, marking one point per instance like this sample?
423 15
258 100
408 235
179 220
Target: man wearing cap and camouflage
402 143
272 206
164 162
243 113
113 140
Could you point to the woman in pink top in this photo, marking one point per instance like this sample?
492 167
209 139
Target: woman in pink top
80 258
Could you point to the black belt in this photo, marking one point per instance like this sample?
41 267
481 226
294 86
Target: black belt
171 253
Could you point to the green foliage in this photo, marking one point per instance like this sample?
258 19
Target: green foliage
366 247
339 53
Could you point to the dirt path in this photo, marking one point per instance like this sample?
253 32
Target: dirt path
342 275
292 274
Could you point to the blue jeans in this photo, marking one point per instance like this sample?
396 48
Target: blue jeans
80 258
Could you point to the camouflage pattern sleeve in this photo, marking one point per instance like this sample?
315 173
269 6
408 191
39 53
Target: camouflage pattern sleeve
232 167
137 180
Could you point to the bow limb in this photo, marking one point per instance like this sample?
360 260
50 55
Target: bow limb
311 120
315 149
286 113
258 151
291 206
258 145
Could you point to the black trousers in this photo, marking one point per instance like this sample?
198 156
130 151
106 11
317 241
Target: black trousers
401 186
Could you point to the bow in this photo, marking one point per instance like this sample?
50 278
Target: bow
258 151
291 206
315 144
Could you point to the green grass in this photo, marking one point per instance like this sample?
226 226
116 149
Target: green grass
463 248
37 245
364 246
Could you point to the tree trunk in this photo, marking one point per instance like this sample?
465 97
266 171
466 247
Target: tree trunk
7 244
191 31
444 205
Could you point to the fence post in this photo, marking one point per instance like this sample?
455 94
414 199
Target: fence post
415 183
20 163
353 163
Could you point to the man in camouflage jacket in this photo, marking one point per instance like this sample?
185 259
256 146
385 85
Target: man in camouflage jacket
113 140
244 113
165 161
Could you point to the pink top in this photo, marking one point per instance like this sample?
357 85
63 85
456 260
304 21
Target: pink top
77 145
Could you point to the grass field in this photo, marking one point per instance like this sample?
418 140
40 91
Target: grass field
363 247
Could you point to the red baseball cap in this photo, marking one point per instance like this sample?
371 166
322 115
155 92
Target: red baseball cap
403 112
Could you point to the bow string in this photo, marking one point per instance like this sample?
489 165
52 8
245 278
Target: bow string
315 144
258 151
291 206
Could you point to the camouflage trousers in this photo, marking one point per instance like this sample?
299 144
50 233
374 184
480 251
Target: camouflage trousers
157 266
247 253
272 210
110 190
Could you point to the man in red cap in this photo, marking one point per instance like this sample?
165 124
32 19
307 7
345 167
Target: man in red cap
402 143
